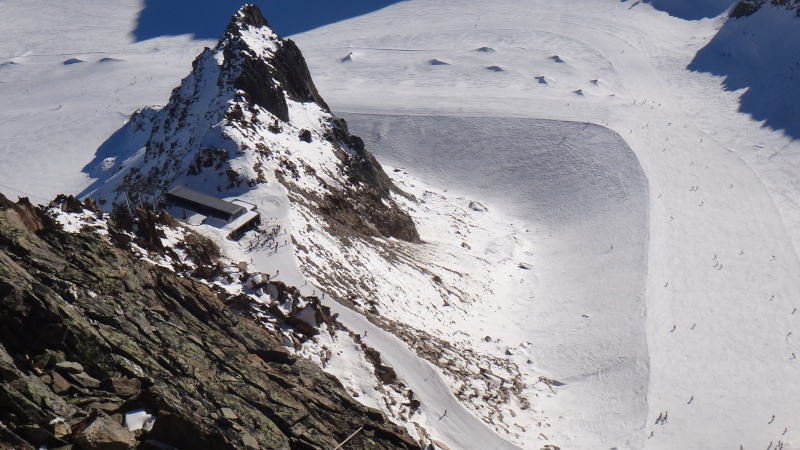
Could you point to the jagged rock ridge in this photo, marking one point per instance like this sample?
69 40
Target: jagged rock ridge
247 120
749 7
88 333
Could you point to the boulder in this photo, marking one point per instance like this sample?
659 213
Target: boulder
102 433
69 367
61 429
124 387
83 379
48 359
60 384
229 414
249 441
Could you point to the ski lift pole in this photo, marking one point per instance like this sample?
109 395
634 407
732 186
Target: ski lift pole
128 202
348 439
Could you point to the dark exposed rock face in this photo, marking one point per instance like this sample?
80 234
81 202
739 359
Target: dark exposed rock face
266 83
749 7
746 8
362 209
287 73
89 332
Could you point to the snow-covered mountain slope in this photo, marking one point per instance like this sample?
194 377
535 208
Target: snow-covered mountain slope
70 74
248 124
688 9
719 306
208 19
746 8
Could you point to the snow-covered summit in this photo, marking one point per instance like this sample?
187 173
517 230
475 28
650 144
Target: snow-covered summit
248 122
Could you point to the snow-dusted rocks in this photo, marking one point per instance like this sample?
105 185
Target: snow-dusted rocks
101 350
231 130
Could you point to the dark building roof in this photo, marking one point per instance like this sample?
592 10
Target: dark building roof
204 204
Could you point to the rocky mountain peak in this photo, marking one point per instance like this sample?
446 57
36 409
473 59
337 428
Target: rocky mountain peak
248 121
270 69
248 15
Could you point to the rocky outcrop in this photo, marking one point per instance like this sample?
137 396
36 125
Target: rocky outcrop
89 333
749 7
746 8
269 83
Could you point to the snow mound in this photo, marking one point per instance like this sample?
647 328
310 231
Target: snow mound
348 58
438 62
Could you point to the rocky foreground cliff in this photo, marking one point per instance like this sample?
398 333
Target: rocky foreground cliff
94 339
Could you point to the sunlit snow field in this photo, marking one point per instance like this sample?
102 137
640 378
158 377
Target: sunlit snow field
690 314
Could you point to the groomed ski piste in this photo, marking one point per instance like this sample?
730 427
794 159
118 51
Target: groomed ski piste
660 278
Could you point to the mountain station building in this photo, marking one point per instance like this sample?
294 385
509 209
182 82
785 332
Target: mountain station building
238 216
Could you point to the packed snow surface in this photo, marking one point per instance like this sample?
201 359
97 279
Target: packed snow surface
711 196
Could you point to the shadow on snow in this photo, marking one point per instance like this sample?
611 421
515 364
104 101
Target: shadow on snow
123 144
759 53
689 9
206 19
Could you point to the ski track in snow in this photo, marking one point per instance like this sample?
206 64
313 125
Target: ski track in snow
721 265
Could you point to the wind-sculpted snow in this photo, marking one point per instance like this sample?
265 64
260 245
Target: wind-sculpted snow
564 174
583 189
